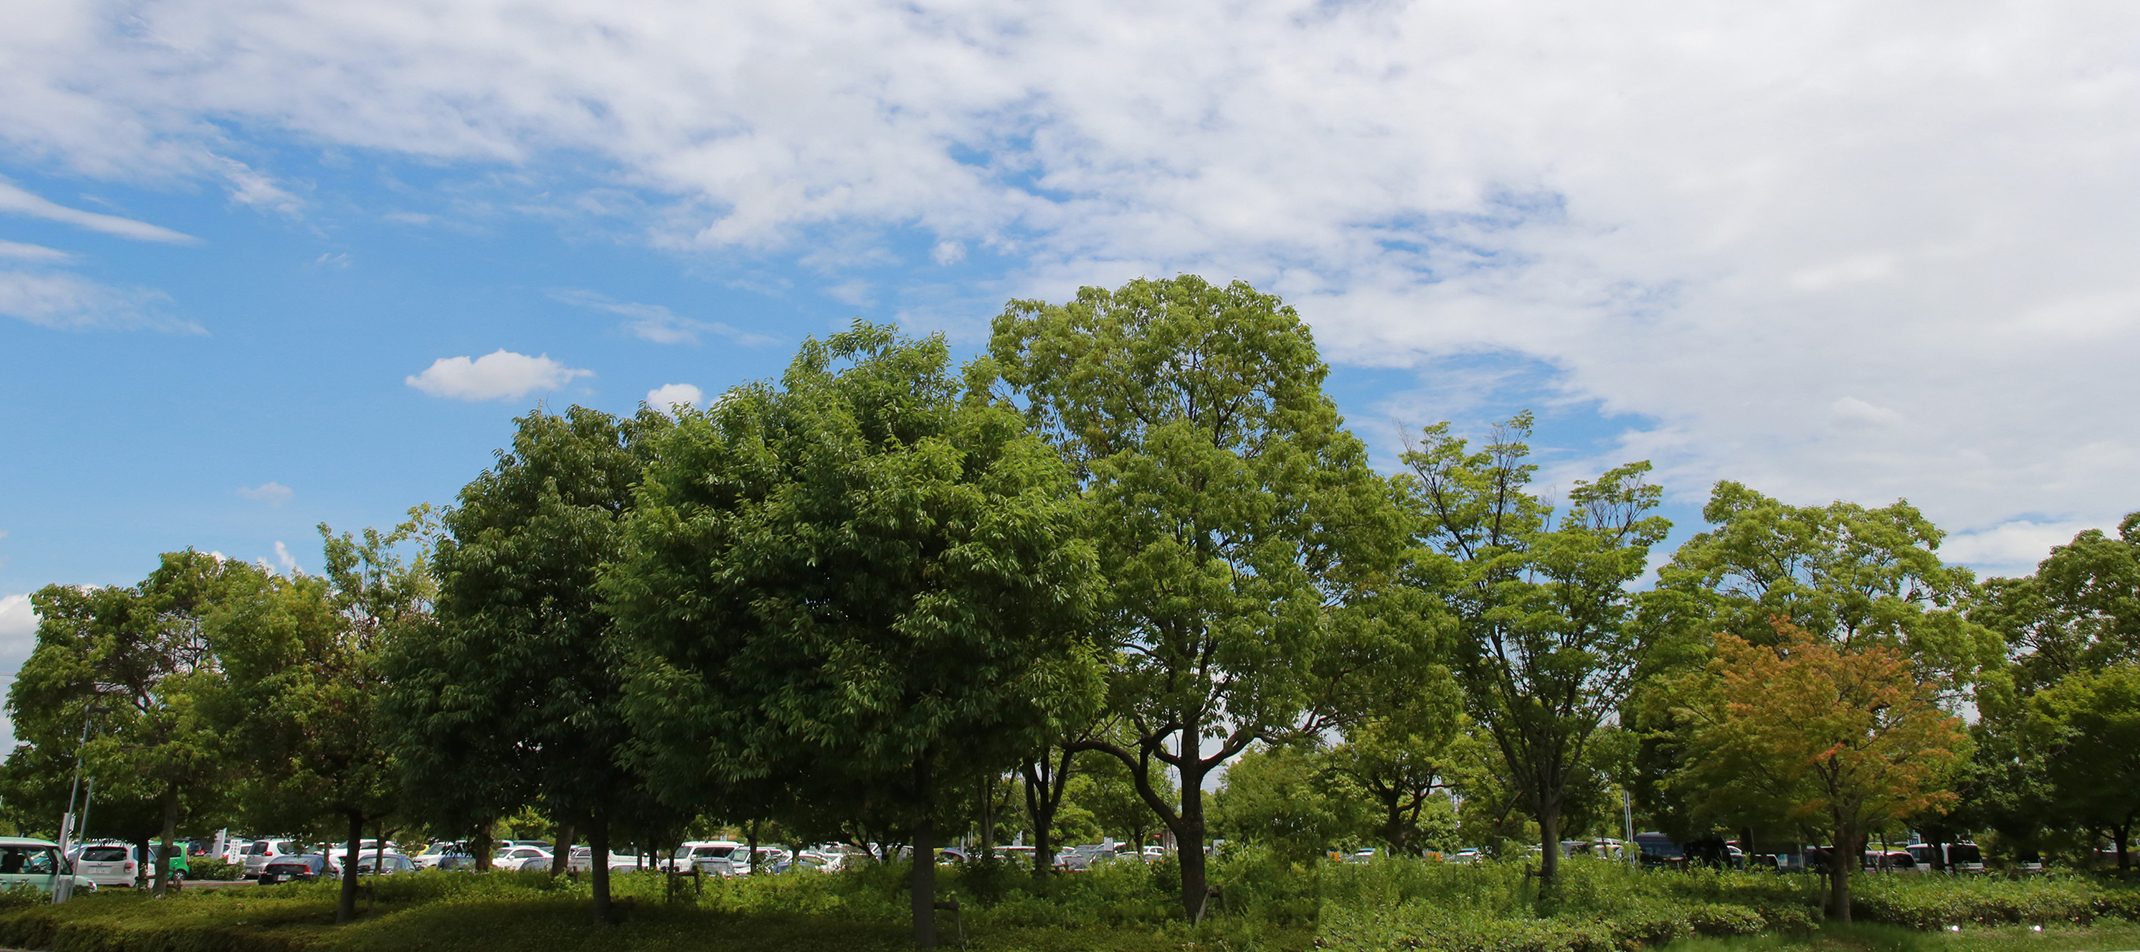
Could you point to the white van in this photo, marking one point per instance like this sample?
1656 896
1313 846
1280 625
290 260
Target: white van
259 852
36 864
714 857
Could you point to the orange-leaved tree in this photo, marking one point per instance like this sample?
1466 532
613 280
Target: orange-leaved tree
1838 741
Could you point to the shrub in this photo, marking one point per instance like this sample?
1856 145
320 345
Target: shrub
215 869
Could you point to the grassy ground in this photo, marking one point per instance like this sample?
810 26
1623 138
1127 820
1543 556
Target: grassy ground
1265 904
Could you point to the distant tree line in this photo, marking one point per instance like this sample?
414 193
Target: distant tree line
1057 590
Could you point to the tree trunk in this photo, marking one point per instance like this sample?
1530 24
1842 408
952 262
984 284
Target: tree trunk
482 850
1843 858
988 817
170 829
921 884
1044 786
1549 835
2120 835
346 910
561 860
598 864
1189 833
750 842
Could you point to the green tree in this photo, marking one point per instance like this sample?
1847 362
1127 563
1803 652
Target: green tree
846 581
303 663
1397 754
1105 787
136 661
515 691
1289 799
2086 730
1250 553
1549 646
1843 572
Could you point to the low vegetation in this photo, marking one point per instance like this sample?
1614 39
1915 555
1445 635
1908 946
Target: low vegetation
1264 902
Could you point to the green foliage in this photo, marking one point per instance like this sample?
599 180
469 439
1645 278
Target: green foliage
1289 798
1249 550
215 869
1550 646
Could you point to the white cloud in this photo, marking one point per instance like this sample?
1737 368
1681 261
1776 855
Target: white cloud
288 561
499 375
16 200
65 301
948 253
656 323
247 187
2013 548
272 493
1717 218
18 637
23 252
671 395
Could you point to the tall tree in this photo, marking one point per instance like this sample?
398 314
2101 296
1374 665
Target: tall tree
1841 571
1839 740
1549 645
524 671
2086 732
848 581
1397 755
136 661
1250 553
305 677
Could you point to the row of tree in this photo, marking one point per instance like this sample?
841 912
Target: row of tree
853 600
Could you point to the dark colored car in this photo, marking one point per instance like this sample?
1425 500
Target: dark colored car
291 869
457 861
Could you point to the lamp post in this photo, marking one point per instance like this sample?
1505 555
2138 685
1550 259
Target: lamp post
63 889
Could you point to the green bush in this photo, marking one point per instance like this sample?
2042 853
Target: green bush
215 869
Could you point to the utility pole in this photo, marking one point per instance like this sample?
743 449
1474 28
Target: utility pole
1627 808
63 889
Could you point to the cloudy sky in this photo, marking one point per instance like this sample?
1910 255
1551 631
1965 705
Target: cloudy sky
267 264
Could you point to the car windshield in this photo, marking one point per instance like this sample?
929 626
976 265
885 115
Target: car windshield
257 849
104 854
1964 853
35 860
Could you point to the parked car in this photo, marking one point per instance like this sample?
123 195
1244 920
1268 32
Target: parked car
456 861
1362 856
29 863
108 863
1949 857
1154 853
714 857
435 852
521 857
1891 861
300 868
581 860
387 864
259 853
1659 851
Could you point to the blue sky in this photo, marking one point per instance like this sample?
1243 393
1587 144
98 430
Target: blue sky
1831 251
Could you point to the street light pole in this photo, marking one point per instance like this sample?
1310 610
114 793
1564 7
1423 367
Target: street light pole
63 889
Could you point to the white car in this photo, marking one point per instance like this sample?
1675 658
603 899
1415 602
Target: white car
36 864
108 864
582 861
714 857
259 852
435 852
522 857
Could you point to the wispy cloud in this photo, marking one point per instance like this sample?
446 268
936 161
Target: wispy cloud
656 323
250 188
289 562
22 252
499 375
272 493
66 301
16 200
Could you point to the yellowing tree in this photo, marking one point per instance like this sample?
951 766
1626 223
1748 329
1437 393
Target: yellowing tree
1836 740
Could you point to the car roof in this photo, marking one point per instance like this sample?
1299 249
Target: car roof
25 841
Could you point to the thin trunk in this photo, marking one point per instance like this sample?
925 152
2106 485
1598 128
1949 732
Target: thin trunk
1044 786
921 888
1549 833
561 860
2120 834
1842 859
750 838
598 867
988 817
346 911
1189 833
170 830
